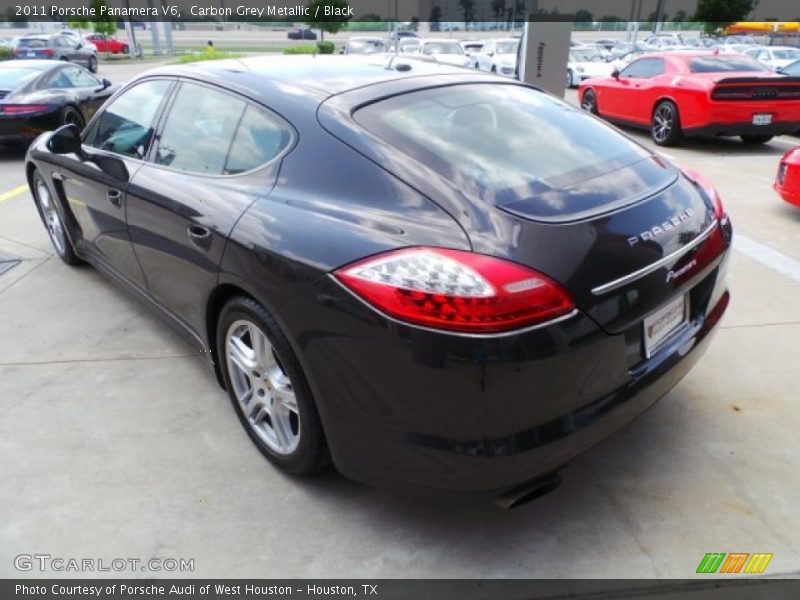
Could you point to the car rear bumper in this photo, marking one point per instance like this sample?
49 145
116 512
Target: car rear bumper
409 407
26 129
744 127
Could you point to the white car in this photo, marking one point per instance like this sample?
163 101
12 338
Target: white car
775 57
77 39
448 52
583 65
364 45
498 56
472 47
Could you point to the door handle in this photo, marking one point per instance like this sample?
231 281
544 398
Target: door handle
199 236
115 197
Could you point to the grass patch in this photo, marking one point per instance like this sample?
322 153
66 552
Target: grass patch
301 49
203 56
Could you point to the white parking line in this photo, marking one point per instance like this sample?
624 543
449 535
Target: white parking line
777 261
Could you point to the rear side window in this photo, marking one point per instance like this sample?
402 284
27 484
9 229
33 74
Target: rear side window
126 125
259 138
199 130
724 64
501 142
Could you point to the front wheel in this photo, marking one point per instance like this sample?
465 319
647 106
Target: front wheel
755 140
126 49
569 79
48 211
92 64
666 125
268 388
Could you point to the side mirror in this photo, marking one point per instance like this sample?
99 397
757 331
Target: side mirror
66 140
106 84
79 46
615 73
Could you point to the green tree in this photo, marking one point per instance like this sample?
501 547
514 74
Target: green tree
498 8
436 18
718 14
583 16
468 9
680 16
414 25
105 23
331 24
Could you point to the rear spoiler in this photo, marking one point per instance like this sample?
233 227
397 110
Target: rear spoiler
759 80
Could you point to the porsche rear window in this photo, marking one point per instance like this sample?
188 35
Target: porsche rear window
724 64
11 78
501 142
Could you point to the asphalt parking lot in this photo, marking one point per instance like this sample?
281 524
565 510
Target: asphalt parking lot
116 441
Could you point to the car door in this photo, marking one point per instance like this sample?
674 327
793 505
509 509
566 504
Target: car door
615 96
116 142
216 154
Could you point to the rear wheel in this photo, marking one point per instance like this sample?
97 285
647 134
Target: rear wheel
93 64
71 116
754 140
569 78
48 211
268 388
126 49
666 125
589 102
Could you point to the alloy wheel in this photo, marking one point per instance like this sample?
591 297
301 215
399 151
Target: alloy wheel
262 387
588 103
51 219
663 122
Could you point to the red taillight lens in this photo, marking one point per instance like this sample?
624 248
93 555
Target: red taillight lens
456 290
22 109
708 188
48 52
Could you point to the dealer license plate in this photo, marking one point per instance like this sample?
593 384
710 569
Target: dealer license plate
762 119
663 324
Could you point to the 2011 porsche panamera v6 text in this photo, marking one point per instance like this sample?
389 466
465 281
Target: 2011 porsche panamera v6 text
424 274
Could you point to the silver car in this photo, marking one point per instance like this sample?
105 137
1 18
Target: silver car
56 47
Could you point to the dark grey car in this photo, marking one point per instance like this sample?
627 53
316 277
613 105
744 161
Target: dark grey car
56 47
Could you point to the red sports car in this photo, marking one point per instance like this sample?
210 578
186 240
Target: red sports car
678 94
104 43
787 182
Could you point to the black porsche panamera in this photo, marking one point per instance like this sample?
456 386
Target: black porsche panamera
40 95
430 276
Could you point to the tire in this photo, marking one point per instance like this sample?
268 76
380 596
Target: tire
569 79
47 205
72 116
92 64
589 101
269 387
665 128
494 69
126 49
755 140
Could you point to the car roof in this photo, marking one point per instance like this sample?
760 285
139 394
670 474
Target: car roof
330 74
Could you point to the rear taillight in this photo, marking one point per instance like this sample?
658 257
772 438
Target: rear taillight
708 189
456 290
49 52
22 109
